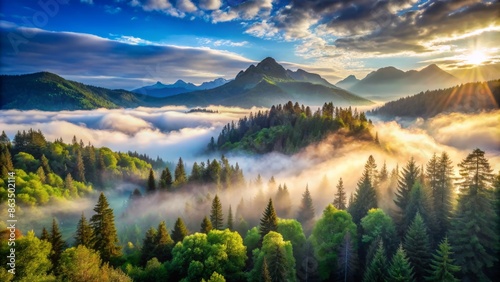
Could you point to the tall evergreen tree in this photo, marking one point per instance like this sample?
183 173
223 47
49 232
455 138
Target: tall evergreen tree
216 216
266 276
148 246
339 202
166 179
283 201
306 211
83 233
409 175
419 202
400 269
206 225
384 174
58 244
474 233
443 195
278 265
365 197
151 188
442 266
45 235
347 262
377 268
417 247
164 243
230 222
79 171
105 238
68 185
45 164
180 231
269 220
41 174
180 173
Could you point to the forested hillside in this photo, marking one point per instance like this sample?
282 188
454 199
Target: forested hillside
430 232
466 98
288 128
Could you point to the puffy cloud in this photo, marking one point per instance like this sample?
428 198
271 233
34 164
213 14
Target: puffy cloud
210 4
88 58
186 6
246 10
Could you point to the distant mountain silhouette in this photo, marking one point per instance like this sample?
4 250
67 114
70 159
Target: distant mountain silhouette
164 90
389 82
347 82
269 83
466 98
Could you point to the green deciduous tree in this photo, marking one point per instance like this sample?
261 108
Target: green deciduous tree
32 259
377 225
474 233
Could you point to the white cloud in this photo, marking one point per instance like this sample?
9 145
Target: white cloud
210 4
186 6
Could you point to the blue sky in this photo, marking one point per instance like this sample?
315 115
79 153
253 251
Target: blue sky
132 43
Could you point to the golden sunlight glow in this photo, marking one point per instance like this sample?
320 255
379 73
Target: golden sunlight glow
476 58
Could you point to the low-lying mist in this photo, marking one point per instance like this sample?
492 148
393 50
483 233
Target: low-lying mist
171 133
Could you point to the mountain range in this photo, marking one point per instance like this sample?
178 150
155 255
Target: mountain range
164 90
389 83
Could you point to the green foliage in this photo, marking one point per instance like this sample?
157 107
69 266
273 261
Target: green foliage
376 270
339 202
252 239
216 216
32 259
163 243
347 259
417 247
269 220
291 230
148 246
365 197
166 179
442 266
84 233
474 233
400 269
105 238
206 225
180 174
408 178
326 238
180 230
377 225
58 245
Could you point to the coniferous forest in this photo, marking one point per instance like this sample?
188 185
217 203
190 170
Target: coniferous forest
411 222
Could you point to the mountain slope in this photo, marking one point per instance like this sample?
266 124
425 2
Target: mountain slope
268 83
347 82
470 97
389 82
164 90
47 91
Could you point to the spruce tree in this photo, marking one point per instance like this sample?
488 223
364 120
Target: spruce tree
442 266
45 235
377 268
400 269
180 231
384 174
41 174
365 197
216 216
417 247
306 211
278 265
148 246
68 185
164 243
347 262
79 171
266 276
230 223
151 188
269 220
443 195
83 233
408 177
419 202
339 202
166 179
58 244
180 174
206 225
474 233
105 238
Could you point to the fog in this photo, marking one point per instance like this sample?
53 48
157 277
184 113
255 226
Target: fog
171 133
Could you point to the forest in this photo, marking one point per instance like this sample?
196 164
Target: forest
437 228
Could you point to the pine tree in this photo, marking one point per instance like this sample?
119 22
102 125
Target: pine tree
269 220
151 187
474 233
442 266
105 239
45 164
278 265
45 235
384 174
216 216
409 175
58 244
148 246
164 243
377 268
68 185
41 174
306 211
180 173
79 171
180 231
230 223
419 202
339 202
365 197
266 276
166 179
442 195
347 262
206 225
400 269
83 233
417 247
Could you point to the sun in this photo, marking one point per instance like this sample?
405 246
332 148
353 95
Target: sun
476 58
